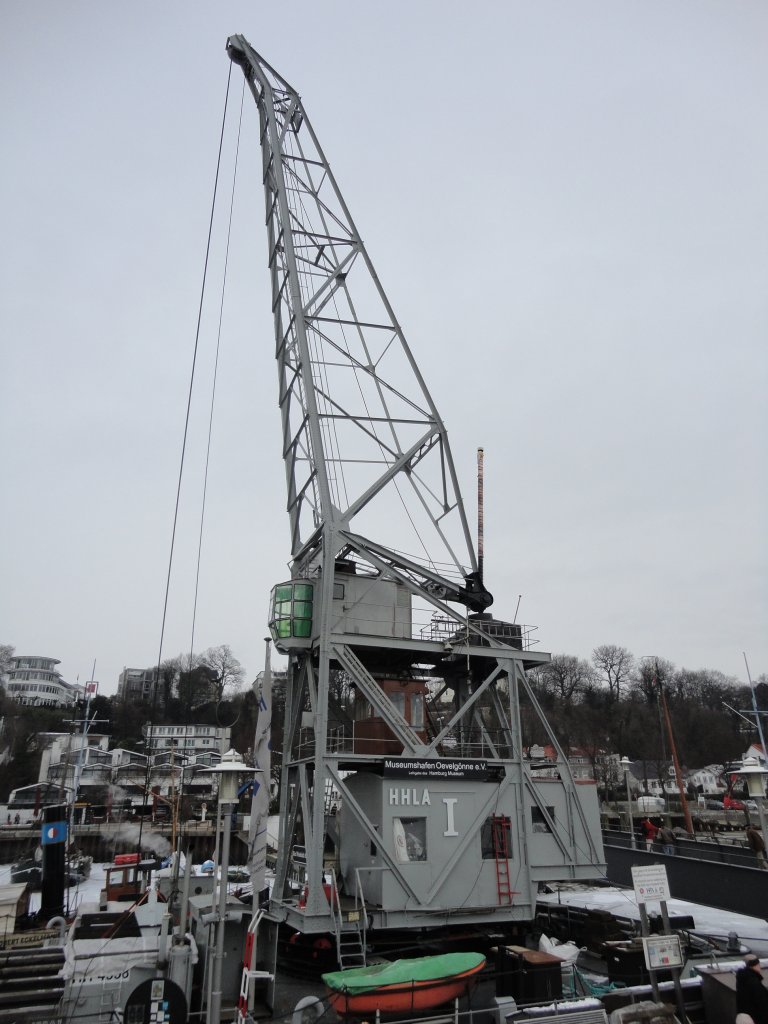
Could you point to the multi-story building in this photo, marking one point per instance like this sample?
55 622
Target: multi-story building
115 781
137 685
62 752
186 740
35 681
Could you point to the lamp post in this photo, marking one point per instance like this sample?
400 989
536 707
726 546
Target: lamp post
755 779
229 770
625 764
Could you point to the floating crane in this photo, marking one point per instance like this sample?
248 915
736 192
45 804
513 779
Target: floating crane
403 693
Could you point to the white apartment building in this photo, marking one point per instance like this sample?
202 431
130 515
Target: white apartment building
61 752
35 681
186 740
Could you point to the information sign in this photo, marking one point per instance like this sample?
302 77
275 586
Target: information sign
662 952
428 768
650 883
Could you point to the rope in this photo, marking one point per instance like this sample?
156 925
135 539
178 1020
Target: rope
215 375
186 431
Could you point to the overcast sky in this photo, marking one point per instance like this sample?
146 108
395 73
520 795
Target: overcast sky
567 205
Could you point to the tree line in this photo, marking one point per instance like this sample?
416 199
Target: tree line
608 704
612 703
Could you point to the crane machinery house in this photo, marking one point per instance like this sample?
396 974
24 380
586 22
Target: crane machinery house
403 693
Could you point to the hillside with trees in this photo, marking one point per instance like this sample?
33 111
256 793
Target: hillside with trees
607 704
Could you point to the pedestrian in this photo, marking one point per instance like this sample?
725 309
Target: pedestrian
756 844
17 819
667 839
751 993
649 830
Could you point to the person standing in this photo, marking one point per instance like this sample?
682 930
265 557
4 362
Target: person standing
667 839
756 844
649 831
751 993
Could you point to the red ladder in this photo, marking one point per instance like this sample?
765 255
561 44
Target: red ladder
500 825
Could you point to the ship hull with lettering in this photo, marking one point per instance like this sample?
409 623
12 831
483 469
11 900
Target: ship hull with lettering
116 945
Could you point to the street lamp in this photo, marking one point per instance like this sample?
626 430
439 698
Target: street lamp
625 765
755 779
229 771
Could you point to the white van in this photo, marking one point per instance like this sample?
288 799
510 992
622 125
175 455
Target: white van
650 804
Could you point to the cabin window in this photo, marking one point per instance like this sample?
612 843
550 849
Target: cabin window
292 611
398 702
410 836
487 845
538 821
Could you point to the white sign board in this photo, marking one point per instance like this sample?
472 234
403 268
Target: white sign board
662 952
650 883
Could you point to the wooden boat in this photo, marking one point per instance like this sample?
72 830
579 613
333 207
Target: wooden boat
403 986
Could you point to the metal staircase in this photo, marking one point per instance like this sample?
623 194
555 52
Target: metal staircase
349 926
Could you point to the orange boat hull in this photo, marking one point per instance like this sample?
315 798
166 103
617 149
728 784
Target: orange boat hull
405 998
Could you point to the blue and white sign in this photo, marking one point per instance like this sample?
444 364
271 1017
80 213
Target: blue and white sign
54 832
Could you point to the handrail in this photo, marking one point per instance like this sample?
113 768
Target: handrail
361 911
336 913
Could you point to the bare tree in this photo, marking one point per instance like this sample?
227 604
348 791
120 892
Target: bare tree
614 664
170 670
226 671
567 677
651 674
704 687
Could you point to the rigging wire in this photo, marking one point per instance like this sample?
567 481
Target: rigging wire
176 853
215 375
185 435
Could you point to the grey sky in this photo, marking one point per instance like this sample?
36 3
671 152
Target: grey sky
567 206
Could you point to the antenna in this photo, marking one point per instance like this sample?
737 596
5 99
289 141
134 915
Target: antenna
517 608
754 707
480 455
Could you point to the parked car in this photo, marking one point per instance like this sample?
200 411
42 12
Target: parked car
713 805
730 803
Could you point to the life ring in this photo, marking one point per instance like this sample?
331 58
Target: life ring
307 1011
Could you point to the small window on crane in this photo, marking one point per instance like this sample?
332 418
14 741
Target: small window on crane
292 607
538 822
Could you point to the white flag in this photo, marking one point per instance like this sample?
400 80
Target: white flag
257 835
